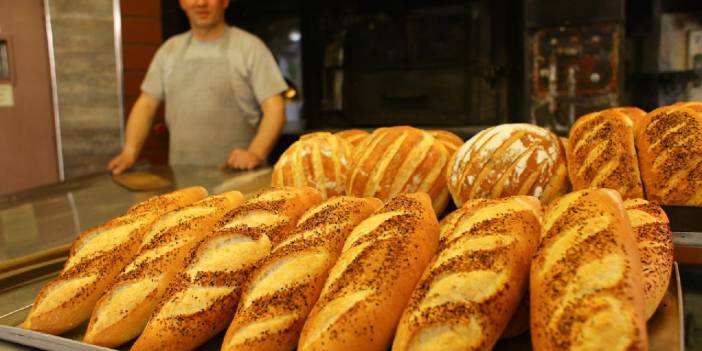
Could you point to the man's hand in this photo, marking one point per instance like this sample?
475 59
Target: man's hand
242 159
121 162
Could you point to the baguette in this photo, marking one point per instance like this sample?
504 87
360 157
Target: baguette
201 297
474 285
369 285
655 241
121 314
96 258
282 291
586 283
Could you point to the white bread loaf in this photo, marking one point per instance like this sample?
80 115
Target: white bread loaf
475 283
122 312
398 160
669 143
508 160
369 285
284 288
96 258
201 298
586 284
655 241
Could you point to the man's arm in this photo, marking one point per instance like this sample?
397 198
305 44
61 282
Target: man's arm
269 130
138 125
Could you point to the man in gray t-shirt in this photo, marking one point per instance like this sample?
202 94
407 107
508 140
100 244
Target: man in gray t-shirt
221 88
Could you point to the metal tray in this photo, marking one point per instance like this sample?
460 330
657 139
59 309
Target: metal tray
665 328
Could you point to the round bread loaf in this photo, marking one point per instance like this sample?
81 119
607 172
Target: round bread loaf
507 160
450 141
353 136
319 160
397 160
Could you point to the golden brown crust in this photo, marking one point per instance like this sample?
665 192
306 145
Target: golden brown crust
669 143
471 289
284 288
586 281
601 152
320 160
655 241
450 141
397 160
353 136
369 285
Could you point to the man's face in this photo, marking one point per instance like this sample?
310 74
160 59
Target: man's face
204 14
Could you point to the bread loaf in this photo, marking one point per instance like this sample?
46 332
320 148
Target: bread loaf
473 286
320 160
601 152
200 299
353 136
399 160
122 312
655 241
507 160
450 141
96 258
586 284
284 288
669 143
369 285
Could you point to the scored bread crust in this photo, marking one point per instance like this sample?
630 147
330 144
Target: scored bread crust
284 288
586 280
655 242
601 152
475 283
95 259
508 160
381 261
450 141
669 143
202 295
122 312
353 136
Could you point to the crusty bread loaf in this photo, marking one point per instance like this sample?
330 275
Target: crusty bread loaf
353 136
369 285
474 285
519 323
320 160
601 152
96 258
507 160
122 312
450 141
669 143
201 297
655 241
586 284
284 288
397 160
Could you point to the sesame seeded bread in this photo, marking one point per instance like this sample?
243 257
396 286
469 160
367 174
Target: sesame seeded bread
669 143
508 160
284 288
655 240
96 258
586 280
601 152
353 136
400 160
122 312
202 296
474 285
369 286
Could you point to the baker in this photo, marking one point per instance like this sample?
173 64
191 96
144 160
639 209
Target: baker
221 87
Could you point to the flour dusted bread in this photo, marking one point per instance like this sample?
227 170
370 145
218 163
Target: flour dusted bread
397 160
507 160
284 288
319 160
95 259
200 299
669 143
369 285
450 141
473 286
124 309
601 152
586 284
655 241
353 136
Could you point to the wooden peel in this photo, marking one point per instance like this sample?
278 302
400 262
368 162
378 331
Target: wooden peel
139 181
